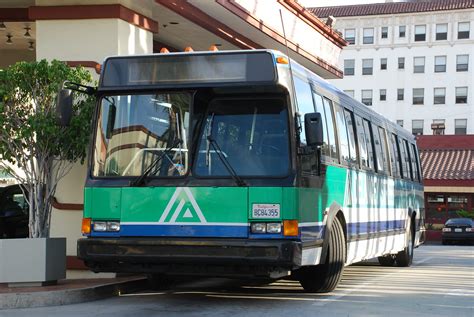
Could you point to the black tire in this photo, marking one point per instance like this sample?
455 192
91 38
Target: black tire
386 260
159 282
324 278
405 258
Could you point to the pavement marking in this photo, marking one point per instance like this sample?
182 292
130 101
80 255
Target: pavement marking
324 301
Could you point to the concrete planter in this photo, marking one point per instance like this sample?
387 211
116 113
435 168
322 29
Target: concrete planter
32 262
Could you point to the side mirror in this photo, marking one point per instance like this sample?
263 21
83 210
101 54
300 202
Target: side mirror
64 107
313 128
110 121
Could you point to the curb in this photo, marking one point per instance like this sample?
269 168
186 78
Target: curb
69 296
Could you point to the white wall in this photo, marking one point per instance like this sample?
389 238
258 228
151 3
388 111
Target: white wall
393 78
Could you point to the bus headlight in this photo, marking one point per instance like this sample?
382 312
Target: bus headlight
258 227
100 226
113 226
266 227
106 226
273 227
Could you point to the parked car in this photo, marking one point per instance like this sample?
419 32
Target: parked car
13 213
458 229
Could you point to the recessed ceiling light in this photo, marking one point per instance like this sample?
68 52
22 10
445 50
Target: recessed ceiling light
9 39
3 26
31 47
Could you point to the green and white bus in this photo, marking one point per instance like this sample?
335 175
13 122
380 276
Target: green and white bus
212 164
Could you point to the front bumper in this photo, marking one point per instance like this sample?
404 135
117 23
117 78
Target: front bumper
469 236
191 256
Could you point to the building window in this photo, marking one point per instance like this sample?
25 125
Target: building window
441 32
462 63
440 64
349 67
383 94
350 93
417 127
349 36
463 30
400 123
461 94
402 31
400 94
418 96
418 64
384 32
368 36
460 126
401 63
439 96
383 63
420 33
367 97
367 66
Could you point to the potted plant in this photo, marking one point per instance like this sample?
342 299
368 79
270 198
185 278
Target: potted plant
38 153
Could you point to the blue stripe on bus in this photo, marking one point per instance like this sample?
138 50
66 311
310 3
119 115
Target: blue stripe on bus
184 230
355 228
306 233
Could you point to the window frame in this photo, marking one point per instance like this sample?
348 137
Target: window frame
459 66
369 38
441 36
458 128
418 101
350 40
464 35
461 99
347 61
371 97
402 94
421 132
419 37
367 70
439 102
419 69
440 68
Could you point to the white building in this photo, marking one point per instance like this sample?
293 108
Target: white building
412 62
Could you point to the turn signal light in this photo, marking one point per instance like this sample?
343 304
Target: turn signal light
164 50
86 226
188 49
290 227
213 48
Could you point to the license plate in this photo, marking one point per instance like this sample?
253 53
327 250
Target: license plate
266 211
458 230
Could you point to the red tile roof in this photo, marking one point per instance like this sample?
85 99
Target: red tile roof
391 8
447 157
447 164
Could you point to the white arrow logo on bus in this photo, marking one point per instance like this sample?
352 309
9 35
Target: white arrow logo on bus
177 212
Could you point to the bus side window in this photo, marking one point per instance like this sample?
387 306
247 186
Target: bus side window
414 167
305 103
395 157
331 133
364 160
403 159
370 146
351 132
378 150
407 159
318 102
383 141
342 134
417 163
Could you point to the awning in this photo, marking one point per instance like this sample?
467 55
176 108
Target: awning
448 164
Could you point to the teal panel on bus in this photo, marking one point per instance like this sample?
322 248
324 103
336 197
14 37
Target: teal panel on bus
185 204
313 201
105 203
87 202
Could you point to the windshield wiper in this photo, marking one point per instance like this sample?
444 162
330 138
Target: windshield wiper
140 180
218 151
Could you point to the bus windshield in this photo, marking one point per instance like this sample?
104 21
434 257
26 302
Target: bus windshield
134 130
252 135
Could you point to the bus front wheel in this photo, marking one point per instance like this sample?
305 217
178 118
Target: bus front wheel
324 278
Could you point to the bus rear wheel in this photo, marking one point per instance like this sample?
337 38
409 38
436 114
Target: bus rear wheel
324 278
405 257
386 260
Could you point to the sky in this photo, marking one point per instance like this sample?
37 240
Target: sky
324 3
